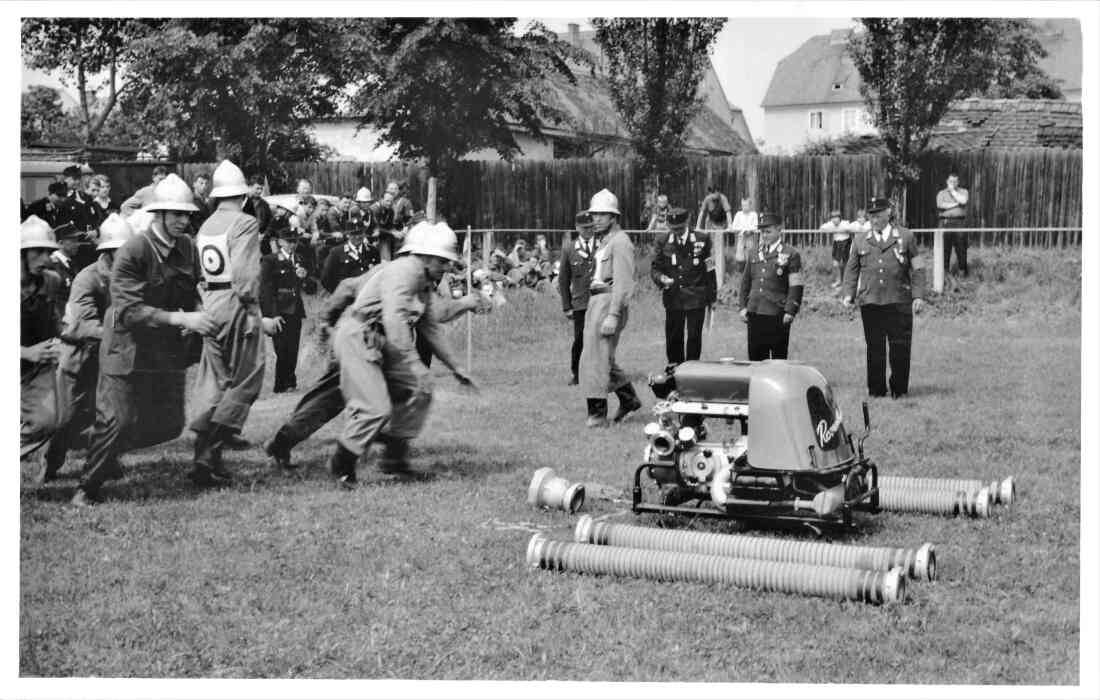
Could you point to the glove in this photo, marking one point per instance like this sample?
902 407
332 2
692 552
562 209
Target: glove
610 325
787 319
918 304
194 322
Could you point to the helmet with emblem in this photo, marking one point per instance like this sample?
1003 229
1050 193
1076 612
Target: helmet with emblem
172 194
228 181
113 232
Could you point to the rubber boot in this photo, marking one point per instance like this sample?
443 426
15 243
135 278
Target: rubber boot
278 449
628 402
209 469
597 413
395 455
342 465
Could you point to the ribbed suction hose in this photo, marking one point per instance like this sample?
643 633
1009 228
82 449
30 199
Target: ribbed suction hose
917 563
1003 491
783 577
936 502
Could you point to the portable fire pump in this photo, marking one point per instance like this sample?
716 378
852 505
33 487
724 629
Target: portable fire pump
799 465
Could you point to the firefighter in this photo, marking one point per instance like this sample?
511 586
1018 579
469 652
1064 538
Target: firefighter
147 332
771 292
888 270
574 277
282 275
386 386
82 330
684 270
231 371
39 327
606 315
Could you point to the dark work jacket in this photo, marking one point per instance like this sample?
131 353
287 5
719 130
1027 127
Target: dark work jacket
694 284
53 214
40 312
575 274
773 286
340 264
280 287
145 287
259 208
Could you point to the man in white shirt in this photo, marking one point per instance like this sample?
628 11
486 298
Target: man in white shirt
951 203
745 224
842 244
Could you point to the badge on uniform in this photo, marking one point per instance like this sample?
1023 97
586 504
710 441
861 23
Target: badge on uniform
710 264
899 255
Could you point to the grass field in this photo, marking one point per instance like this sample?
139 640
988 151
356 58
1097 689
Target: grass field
285 576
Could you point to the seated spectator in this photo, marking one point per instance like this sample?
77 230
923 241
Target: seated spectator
304 219
304 188
145 195
102 197
842 244
861 224
256 206
519 254
323 217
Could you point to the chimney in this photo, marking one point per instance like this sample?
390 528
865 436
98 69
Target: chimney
574 34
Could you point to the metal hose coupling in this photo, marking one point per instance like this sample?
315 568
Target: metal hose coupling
782 577
1003 491
548 490
919 563
975 504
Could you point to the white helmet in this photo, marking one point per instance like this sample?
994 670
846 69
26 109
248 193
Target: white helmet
228 181
140 221
36 233
363 195
172 194
431 239
114 231
603 202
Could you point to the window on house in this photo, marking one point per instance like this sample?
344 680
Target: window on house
817 120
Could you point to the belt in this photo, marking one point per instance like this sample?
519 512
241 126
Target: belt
599 290
217 286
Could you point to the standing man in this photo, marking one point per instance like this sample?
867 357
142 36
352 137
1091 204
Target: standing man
889 272
231 371
256 206
606 316
842 243
82 330
200 185
574 278
659 221
951 203
684 270
771 292
281 277
350 260
387 387
145 195
43 296
64 259
144 352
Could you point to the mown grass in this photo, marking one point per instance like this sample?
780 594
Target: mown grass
289 577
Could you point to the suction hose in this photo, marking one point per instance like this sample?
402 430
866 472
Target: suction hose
784 577
974 504
916 563
1003 491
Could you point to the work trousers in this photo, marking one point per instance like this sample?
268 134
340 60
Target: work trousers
578 341
385 390
769 337
286 344
140 409
675 322
318 406
76 410
38 412
887 326
230 374
599 373
957 241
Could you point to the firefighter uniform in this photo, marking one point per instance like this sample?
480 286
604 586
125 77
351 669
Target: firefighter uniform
39 320
771 290
684 269
231 371
281 277
574 279
885 274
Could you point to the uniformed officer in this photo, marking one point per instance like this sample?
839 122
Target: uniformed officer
386 386
574 278
281 277
231 370
684 270
350 260
606 316
64 259
145 351
39 327
78 370
771 292
885 275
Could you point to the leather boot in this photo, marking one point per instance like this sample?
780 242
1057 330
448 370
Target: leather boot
628 402
342 465
597 413
209 469
278 449
395 455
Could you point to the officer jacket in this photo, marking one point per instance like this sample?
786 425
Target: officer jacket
615 269
53 214
575 273
149 281
40 312
346 262
280 286
691 267
82 326
772 282
885 273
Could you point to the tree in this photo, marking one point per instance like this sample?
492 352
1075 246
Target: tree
654 67
912 69
438 89
41 114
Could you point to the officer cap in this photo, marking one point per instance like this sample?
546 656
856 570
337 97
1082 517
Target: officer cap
677 216
71 171
877 204
583 218
68 230
354 226
280 228
770 219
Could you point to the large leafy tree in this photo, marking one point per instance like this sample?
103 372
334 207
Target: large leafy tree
911 70
438 89
654 68
41 114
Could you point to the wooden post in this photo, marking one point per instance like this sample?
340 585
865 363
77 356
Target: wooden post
719 246
937 261
486 246
469 246
429 208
